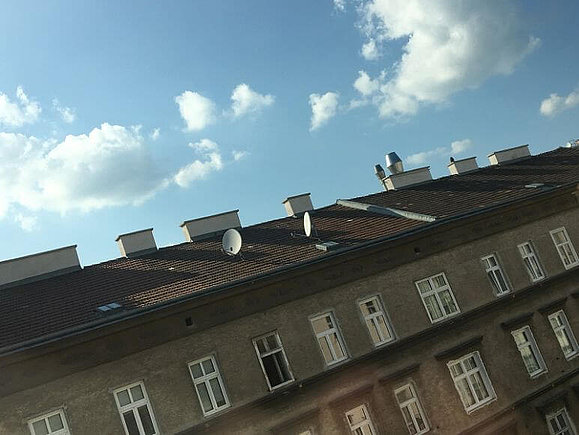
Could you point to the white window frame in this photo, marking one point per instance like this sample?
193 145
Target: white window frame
324 336
565 328
531 344
408 404
466 375
493 272
60 412
565 249
205 380
435 291
365 425
133 406
531 261
268 352
372 320
570 427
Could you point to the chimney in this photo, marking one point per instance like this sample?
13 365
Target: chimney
39 266
298 204
509 155
407 178
208 226
462 166
136 243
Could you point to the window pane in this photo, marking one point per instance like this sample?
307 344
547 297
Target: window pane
260 345
272 369
424 286
456 370
217 392
447 302
204 397
272 342
404 395
417 416
131 423
479 387
381 321
208 366
322 324
432 307
146 420
336 346
529 359
196 371
373 328
564 341
55 422
465 393
40 427
137 393
439 281
124 398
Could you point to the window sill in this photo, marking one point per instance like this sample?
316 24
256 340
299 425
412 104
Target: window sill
538 374
278 386
481 405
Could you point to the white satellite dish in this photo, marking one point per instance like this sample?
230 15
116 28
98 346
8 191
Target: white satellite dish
231 242
307 224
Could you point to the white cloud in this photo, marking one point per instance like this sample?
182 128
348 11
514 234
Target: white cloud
67 114
110 166
340 5
323 108
238 155
20 112
460 146
370 50
196 110
247 101
456 147
365 85
155 134
556 104
27 223
198 169
448 48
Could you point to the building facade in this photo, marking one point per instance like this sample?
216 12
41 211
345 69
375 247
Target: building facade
440 306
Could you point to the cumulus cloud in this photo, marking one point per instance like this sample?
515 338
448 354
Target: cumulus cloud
324 108
340 5
196 110
448 48
238 155
370 50
556 104
67 114
246 101
210 161
365 85
109 166
22 111
27 223
456 147
155 134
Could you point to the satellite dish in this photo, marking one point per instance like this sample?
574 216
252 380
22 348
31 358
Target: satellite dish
231 242
307 224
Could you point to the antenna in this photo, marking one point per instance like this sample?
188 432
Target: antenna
231 242
307 224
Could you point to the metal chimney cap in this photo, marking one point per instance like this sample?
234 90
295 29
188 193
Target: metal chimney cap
394 164
379 171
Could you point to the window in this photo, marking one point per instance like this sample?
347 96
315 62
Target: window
529 351
559 423
135 410
329 338
564 334
359 421
208 385
495 274
53 423
376 321
565 248
411 410
273 360
437 297
471 381
531 261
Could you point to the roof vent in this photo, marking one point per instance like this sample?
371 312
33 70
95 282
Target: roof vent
462 166
38 266
109 308
509 155
407 178
137 243
208 226
298 204
327 246
394 164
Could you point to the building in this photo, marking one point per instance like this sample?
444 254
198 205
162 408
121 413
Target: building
443 306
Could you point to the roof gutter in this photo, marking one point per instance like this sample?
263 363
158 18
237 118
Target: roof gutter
121 317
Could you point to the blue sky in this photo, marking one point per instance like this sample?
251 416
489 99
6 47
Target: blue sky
119 116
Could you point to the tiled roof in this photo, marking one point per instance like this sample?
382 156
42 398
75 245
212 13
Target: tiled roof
45 307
